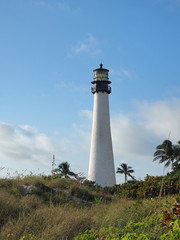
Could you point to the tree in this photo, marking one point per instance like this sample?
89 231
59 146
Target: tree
176 167
126 170
176 164
80 178
64 170
167 153
177 153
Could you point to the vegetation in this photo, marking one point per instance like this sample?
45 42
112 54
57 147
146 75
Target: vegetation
63 170
126 170
58 207
168 153
65 209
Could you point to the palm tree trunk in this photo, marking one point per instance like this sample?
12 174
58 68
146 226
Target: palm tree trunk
125 178
172 165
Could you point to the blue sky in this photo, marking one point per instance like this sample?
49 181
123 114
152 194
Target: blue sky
48 50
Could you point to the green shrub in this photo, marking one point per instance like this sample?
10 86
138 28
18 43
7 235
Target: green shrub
6 183
82 194
60 183
31 202
51 212
173 234
60 198
49 223
103 233
10 208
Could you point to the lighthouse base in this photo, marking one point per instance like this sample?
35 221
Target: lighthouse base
101 163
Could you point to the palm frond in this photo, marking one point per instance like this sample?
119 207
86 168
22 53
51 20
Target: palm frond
167 163
125 169
119 170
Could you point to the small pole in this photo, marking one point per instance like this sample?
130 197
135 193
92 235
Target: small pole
52 177
53 165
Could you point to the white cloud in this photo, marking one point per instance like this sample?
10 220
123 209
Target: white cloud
24 144
89 46
28 130
130 140
87 114
153 123
81 48
161 118
135 137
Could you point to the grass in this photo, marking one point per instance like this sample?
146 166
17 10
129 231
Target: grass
51 213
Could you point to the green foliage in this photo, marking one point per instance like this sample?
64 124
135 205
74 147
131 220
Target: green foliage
64 170
11 185
102 233
9 207
54 210
6 183
149 188
60 183
99 200
88 235
168 154
32 180
25 237
149 228
31 202
126 170
82 194
173 234
60 198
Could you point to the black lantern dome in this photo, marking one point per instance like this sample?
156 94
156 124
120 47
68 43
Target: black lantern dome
101 80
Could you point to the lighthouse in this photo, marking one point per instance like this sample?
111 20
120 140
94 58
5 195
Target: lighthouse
101 162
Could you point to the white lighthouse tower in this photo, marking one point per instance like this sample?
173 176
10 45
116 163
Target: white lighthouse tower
101 162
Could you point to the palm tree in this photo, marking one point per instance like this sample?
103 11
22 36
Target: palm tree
176 164
167 153
177 151
126 170
64 170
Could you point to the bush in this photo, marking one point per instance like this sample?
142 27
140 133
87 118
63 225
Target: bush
6 183
60 183
60 198
31 217
10 208
31 202
82 194
49 223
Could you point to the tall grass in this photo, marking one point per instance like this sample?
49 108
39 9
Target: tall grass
39 217
66 222
49 223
